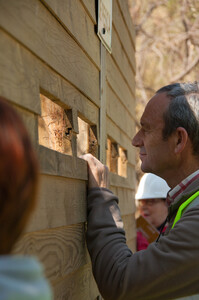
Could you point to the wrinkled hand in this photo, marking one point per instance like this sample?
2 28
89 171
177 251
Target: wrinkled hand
98 174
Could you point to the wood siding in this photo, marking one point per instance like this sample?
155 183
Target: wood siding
50 47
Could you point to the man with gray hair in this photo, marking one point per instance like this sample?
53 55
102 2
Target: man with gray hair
169 147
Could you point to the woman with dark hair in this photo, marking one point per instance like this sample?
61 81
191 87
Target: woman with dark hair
21 277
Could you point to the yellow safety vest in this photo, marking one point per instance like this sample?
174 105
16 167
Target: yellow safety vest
183 206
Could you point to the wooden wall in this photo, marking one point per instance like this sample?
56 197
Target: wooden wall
50 47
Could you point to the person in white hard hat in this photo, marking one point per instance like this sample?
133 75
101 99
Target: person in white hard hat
151 202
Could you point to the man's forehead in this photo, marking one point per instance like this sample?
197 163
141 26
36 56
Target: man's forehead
155 108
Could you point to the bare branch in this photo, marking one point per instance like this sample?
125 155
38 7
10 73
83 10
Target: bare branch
149 12
185 72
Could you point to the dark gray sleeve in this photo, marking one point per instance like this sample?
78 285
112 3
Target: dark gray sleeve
167 270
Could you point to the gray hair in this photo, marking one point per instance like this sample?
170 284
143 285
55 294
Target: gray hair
183 111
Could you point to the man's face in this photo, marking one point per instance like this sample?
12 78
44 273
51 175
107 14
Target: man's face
155 153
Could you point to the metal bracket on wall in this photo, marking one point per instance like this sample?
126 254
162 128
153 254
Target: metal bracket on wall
104 23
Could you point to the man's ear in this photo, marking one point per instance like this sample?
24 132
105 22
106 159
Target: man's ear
181 139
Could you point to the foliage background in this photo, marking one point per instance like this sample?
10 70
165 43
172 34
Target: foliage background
167 46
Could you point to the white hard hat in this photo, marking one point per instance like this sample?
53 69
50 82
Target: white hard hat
151 186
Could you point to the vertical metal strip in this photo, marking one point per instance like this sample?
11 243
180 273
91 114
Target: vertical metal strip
102 118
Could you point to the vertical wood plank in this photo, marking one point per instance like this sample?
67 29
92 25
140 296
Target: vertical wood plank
103 105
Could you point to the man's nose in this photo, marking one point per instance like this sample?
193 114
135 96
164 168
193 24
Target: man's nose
137 141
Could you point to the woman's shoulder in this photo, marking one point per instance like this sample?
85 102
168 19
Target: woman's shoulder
22 277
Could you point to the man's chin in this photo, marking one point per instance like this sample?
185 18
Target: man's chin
144 168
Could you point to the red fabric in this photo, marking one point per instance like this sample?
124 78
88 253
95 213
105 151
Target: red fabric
142 242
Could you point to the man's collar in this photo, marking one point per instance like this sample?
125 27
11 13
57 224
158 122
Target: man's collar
178 189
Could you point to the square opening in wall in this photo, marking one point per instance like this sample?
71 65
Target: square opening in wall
116 158
87 138
53 126
122 162
112 154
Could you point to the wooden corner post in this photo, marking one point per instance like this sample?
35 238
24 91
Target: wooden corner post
103 105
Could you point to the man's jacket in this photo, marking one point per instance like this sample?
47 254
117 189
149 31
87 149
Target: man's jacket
168 269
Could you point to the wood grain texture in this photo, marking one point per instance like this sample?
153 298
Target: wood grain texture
131 175
119 85
23 75
91 8
55 163
103 106
30 121
132 244
122 139
123 33
61 202
119 181
117 112
124 8
122 162
61 250
59 89
72 14
129 226
128 68
50 47
56 126
126 200
79 285
18 80
35 27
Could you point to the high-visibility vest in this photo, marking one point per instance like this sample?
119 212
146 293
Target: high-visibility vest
183 206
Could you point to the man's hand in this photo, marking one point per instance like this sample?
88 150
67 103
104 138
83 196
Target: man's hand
98 174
